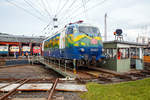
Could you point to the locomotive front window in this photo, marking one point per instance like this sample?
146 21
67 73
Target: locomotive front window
90 30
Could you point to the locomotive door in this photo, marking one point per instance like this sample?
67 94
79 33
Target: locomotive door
69 37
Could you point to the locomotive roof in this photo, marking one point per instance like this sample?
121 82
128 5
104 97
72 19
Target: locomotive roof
74 24
82 24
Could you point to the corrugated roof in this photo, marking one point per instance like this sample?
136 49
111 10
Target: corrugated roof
126 42
20 38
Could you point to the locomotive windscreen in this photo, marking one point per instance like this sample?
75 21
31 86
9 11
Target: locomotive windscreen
90 30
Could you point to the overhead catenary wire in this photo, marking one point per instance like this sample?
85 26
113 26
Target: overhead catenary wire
44 6
94 6
40 5
84 7
69 7
70 12
49 14
58 6
77 8
81 12
49 7
10 2
29 3
63 22
74 11
62 7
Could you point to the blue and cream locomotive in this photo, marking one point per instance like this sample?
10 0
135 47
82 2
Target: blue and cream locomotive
77 41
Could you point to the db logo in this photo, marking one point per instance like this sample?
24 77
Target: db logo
93 41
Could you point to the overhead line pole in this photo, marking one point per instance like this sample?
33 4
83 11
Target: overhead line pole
105 24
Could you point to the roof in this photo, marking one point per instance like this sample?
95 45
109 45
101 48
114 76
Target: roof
125 42
20 38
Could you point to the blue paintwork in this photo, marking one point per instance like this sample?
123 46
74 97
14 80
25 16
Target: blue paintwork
3 52
75 53
26 51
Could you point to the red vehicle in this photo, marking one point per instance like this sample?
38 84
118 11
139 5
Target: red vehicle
36 50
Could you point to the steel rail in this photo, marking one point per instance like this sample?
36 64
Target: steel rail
5 96
31 80
53 89
11 83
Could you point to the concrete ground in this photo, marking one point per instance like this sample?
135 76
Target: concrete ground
27 71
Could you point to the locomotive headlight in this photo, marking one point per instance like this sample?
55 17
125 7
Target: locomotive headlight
82 50
103 50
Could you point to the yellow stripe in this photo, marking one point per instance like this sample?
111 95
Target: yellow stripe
76 44
79 37
82 43
98 38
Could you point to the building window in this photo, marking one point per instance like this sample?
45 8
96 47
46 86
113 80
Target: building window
122 53
110 53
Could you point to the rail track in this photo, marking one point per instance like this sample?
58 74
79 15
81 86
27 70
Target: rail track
13 91
99 75
84 75
10 94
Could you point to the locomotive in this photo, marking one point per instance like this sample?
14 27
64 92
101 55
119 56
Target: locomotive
3 50
14 49
26 49
36 50
77 41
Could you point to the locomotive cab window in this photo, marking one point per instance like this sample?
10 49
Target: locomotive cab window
89 30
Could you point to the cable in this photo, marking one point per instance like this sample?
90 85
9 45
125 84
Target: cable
98 4
25 10
69 7
33 8
77 9
63 7
58 6
94 6
73 11
46 9
84 7
49 6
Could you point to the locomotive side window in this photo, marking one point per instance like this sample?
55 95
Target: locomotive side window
70 30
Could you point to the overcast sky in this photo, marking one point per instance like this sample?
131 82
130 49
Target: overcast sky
130 15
